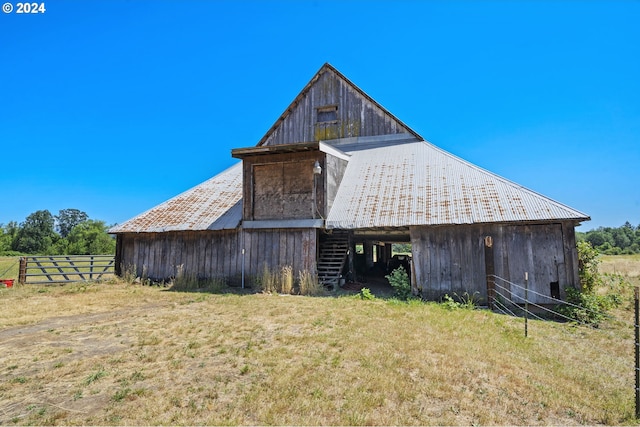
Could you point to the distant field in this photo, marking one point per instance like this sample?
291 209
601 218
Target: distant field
8 267
625 265
115 353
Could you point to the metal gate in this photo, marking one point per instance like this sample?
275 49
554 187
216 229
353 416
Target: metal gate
64 269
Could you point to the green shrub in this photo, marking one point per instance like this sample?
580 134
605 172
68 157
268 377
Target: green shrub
399 280
588 308
464 301
11 253
588 263
586 305
365 293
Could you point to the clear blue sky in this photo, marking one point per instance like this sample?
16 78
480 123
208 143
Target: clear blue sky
113 107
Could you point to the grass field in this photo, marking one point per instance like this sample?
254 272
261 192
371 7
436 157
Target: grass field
9 267
626 265
115 353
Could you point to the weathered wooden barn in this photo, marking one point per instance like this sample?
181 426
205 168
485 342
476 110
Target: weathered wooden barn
337 171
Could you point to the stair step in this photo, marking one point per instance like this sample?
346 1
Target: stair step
333 254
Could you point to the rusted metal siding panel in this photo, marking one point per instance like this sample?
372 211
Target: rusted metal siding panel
213 205
403 184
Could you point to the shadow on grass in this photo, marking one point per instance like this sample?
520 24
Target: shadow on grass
206 286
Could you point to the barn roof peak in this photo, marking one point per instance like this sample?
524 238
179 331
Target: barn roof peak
356 113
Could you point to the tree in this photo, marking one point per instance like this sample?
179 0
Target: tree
8 234
595 238
612 241
36 234
69 218
90 238
620 238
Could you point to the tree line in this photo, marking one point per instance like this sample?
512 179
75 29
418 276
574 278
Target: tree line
612 240
71 232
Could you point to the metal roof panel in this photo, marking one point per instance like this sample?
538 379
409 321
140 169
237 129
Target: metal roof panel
216 204
420 184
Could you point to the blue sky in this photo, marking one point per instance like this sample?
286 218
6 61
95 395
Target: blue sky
113 107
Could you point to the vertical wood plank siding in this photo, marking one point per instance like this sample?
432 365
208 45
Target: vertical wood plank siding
280 186
215 254
450 259
357 116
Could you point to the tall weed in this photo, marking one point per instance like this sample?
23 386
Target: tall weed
286 279
309 284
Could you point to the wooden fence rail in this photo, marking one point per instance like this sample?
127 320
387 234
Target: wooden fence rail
64 269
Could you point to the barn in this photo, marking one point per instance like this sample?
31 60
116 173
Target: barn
332 185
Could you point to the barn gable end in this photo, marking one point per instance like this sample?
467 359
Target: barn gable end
330 107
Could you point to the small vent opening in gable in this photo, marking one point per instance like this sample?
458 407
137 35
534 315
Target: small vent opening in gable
327 114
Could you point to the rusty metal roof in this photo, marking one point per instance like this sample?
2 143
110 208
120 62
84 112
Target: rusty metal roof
407 183
216 204
392 182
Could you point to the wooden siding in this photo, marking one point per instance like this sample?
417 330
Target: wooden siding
355 115
204 254
215 254
451 259
280 186
280 247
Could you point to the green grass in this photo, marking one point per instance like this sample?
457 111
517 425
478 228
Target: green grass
119 353
131 354
10 265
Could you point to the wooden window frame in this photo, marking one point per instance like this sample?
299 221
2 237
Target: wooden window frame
327 109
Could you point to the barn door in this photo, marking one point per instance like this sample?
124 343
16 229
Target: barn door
538 251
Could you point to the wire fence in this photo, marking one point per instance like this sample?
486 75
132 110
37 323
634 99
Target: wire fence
508 299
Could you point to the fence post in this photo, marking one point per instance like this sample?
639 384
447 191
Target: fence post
637 348
22 271
526 304
242 268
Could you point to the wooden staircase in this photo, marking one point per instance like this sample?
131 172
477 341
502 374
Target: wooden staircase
334 249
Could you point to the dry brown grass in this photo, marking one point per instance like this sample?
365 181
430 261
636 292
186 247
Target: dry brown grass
625 265
119 353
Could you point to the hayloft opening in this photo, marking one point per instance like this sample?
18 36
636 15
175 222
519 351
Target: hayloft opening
327 114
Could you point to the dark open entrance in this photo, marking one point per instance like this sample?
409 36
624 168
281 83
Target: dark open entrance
376 255
353 260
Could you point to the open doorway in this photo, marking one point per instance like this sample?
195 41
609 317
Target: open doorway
373 260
